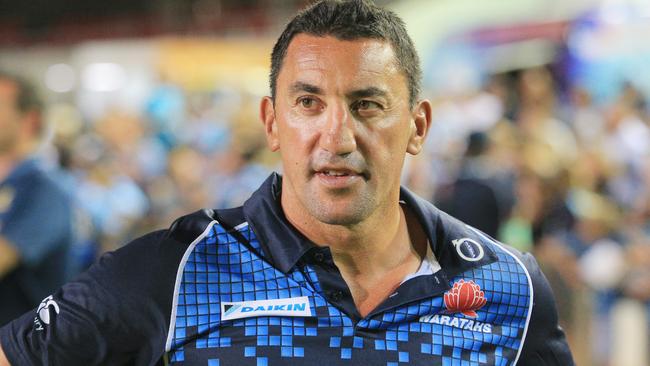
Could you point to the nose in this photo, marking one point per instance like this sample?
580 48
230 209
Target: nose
338 135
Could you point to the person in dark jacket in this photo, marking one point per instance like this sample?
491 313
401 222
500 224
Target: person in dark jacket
35 212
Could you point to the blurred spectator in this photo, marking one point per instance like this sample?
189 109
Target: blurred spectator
239 170
627 144
540 209
591 256
113 200
165 109
479 196
35 212
188 170
586 119
537 117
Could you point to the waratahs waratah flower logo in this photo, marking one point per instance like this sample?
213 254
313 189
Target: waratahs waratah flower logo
465 297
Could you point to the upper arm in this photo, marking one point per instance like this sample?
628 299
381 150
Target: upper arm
115 313
545 343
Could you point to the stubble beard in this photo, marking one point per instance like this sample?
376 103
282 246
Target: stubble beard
345 211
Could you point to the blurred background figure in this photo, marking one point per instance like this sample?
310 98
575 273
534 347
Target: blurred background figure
35 212
478 196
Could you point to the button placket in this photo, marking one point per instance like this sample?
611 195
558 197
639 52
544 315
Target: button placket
319 257
336 295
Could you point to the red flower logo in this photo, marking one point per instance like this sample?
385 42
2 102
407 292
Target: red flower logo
465 298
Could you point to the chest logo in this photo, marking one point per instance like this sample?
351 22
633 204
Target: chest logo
465 297
469 249
293 306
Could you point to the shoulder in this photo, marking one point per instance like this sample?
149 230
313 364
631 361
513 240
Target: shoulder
505 254
513 278
188 228
544 342
36 176
35 186
470 238
162 250
159 254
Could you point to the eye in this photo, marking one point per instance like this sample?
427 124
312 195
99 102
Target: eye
366 106
308 102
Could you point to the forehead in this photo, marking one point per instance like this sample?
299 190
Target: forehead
334 62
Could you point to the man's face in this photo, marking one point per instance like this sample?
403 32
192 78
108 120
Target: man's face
343 124
10 117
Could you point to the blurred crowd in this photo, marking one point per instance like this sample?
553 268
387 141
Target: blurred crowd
132 173
547 171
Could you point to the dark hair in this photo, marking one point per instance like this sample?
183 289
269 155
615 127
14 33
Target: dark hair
27 98
350 20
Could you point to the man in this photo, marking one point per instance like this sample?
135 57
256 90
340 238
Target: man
35 213
332 262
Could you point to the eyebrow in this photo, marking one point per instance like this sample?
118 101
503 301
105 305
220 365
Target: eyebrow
367 92
299 86
372 91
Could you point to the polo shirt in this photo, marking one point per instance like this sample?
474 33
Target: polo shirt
36 218
243 287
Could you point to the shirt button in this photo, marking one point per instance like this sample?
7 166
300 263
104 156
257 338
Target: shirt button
336 295
319 257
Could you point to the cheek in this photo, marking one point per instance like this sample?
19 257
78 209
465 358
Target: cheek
294 142
297 133
389 141
386 150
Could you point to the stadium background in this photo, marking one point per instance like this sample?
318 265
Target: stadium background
541 131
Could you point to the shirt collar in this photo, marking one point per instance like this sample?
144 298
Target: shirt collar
284 246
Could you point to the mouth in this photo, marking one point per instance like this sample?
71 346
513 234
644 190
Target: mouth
336 173
339 177
339 172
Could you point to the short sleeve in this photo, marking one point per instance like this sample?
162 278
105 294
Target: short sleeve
545 343
116 313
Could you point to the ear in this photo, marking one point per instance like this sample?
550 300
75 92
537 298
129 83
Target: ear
267 115
419 126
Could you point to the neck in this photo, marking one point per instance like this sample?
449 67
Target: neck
391 251
373 256
7 164
371 251
355 245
